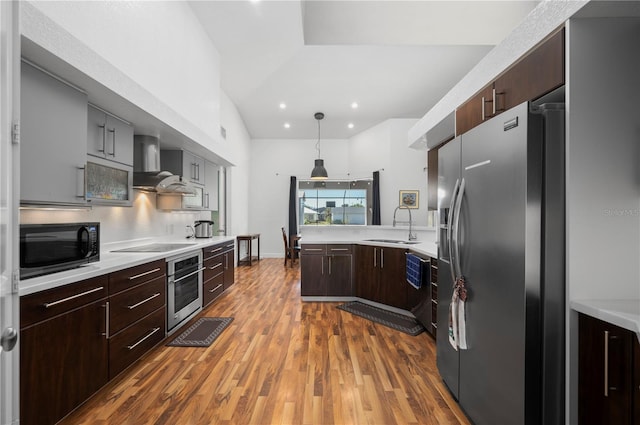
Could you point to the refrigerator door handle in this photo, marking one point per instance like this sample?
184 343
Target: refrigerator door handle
449 226
456 232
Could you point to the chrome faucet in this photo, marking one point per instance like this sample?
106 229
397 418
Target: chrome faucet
412 236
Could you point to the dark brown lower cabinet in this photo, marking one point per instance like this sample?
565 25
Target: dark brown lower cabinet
77 337
229 265
213 275
326 270
381 275
609 363
63 359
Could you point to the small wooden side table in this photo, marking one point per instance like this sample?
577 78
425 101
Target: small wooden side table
248 239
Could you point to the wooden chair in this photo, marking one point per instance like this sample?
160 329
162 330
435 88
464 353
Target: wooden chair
290 252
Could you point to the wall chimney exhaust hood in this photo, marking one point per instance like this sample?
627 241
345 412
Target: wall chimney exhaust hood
146 169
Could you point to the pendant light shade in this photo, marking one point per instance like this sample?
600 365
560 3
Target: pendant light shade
319 172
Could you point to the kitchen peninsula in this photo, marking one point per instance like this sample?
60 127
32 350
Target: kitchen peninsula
368 264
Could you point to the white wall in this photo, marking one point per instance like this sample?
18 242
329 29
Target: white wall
384 147
239 142
603 181
273 162
380 147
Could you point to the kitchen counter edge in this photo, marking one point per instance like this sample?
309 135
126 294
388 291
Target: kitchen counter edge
112 262
622 313
425 248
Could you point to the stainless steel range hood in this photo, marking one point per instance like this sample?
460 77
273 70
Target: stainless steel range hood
146 169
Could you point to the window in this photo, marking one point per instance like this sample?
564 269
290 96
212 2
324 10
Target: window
335 202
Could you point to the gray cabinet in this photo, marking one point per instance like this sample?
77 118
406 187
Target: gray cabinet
53 148
185 164
109 137
211 186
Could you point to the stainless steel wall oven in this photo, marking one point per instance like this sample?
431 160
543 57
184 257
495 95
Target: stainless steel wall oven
184 287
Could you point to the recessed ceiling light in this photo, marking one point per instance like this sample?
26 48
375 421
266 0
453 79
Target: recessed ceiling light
354 105
287 125
350 125
283 105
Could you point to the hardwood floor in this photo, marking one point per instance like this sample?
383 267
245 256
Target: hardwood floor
281 361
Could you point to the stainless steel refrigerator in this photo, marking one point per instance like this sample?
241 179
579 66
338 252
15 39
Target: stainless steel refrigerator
501 212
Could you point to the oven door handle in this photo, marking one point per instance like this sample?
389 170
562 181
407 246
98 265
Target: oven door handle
189 275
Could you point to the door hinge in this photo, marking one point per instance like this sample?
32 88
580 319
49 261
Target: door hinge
15 134
15 281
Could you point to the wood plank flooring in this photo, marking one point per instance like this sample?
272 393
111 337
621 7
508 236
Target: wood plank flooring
281 361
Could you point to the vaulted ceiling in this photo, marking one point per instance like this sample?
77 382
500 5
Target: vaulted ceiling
395 59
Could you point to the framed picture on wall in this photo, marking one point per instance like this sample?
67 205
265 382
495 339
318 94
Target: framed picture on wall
410 198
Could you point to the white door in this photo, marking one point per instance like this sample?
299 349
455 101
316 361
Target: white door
9 158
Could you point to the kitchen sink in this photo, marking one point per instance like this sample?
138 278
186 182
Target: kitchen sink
401 242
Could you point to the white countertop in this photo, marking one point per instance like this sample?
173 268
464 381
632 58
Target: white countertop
425 248
623 313
114 261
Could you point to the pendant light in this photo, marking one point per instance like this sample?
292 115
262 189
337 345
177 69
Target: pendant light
319 172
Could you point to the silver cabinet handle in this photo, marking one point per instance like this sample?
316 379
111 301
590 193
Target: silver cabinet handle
339 249
329 265
73 297
375 255
493 95
216 266
231 246
606 363
131 347
322 268
382 258
106 322
144 274
190 274
81 188
113 131
483 102
215 289
131 307
313 249
104 137
215 250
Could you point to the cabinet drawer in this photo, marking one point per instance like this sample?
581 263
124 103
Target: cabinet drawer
230 246
214 267
129 306
212 289
339 249
212 251
126 347
127 278
46 304
313 249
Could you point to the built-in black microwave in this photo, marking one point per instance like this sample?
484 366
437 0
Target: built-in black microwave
50 248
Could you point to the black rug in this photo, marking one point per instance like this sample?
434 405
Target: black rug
387 318
202 333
